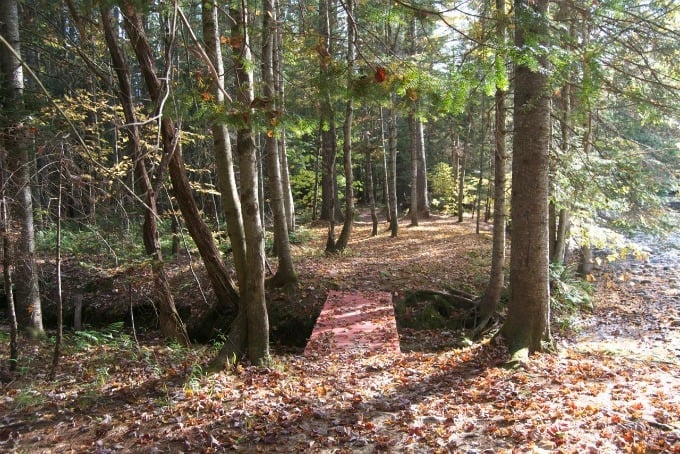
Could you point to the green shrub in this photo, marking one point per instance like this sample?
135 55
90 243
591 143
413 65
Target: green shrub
568 293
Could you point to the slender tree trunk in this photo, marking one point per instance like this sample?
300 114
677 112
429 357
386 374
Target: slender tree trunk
386 171
461 173
171 325
423 196
415 156
14 136
329 190
370 187
346 232
285 272
224 161
392 171
558 253
198 229
279 87
494 288
7 265
60 297
528 310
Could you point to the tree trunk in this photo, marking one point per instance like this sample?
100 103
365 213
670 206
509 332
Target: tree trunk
494 288
392 171
423 197
224 161
285 272
171 325
461 173
7 264
560 245
370 188
198 229
14 138
528 309
329 190
249 333
346 232
415 156
279 87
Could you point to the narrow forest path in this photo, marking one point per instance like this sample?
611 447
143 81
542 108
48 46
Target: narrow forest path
355 322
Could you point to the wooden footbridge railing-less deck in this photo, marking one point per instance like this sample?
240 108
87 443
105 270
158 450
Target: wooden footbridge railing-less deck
355 322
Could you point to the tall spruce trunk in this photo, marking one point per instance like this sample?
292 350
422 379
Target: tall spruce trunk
527 322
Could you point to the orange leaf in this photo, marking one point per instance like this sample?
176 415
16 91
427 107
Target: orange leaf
380 74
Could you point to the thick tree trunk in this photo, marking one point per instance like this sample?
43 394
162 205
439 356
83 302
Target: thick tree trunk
14 138
528 309
250 331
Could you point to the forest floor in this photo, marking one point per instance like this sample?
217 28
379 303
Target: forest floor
612 385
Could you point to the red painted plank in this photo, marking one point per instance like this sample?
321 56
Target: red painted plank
353 321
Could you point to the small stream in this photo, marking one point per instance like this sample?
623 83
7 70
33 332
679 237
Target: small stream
644 323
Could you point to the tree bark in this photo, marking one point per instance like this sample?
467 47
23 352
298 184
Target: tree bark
279 87
250 331
423 197
528 310
224 161
285 272
392 171
489 302
415 156
461 173
370 189
14 137
348 223
329 189
7 272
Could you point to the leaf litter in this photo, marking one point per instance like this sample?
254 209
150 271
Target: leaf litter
612 386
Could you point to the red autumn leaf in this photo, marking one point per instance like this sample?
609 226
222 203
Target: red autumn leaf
380 74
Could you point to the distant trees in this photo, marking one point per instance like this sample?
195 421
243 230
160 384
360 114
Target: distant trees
201 105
